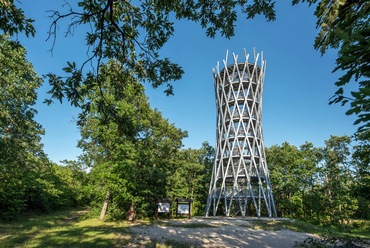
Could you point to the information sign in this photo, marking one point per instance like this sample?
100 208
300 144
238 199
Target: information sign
163 207
183 208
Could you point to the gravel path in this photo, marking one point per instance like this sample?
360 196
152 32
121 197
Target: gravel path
222 233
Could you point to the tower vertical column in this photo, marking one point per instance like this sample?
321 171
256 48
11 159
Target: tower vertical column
240 180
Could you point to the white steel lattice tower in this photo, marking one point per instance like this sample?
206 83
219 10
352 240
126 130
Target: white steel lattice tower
240 180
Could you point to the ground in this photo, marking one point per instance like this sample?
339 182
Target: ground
214 232
74 229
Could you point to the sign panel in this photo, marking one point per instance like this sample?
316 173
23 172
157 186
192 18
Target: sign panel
183 208
163 207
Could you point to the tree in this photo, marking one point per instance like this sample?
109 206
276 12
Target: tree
338 176
13 20
345 25
106 140
134 34
131 34
190 176
312 156
132 151
20 134
207 159
18 81
28 180
284 165
362 173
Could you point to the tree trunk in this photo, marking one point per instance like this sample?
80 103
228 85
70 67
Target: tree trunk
340 214
347 217
192 188
249 203
131 213
318 214
303 203
290 204
102 214
333 216
312 193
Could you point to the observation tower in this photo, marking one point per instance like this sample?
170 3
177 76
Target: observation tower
240 182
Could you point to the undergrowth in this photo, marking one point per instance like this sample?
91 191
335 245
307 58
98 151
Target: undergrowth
331 240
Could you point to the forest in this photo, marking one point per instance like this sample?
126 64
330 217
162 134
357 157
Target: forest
135 155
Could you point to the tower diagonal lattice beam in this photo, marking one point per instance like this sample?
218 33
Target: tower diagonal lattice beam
240 181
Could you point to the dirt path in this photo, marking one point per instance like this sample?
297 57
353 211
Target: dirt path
78 213
215 233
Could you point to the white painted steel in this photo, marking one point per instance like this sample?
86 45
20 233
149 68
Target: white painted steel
240 175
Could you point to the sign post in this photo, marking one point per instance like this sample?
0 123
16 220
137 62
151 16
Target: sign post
163 206
183 206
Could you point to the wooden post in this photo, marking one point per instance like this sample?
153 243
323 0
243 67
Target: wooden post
156 212
169 211
189 209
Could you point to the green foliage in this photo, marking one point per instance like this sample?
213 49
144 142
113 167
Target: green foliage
354 58
337 175
18 84
362 164
345 25
332 240
46 188
284 166
133 34
324 185
13 20
135 154
20 152
28 181
191 176
132 151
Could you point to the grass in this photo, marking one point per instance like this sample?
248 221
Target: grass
294 225
53 230
86 233
301 226
17 232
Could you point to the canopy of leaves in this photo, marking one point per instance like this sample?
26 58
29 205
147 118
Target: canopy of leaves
133 34
18 83
13 20
132 151
345 25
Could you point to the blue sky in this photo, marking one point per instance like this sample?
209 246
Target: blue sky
298 81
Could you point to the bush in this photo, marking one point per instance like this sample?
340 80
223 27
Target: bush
331 240
43 187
